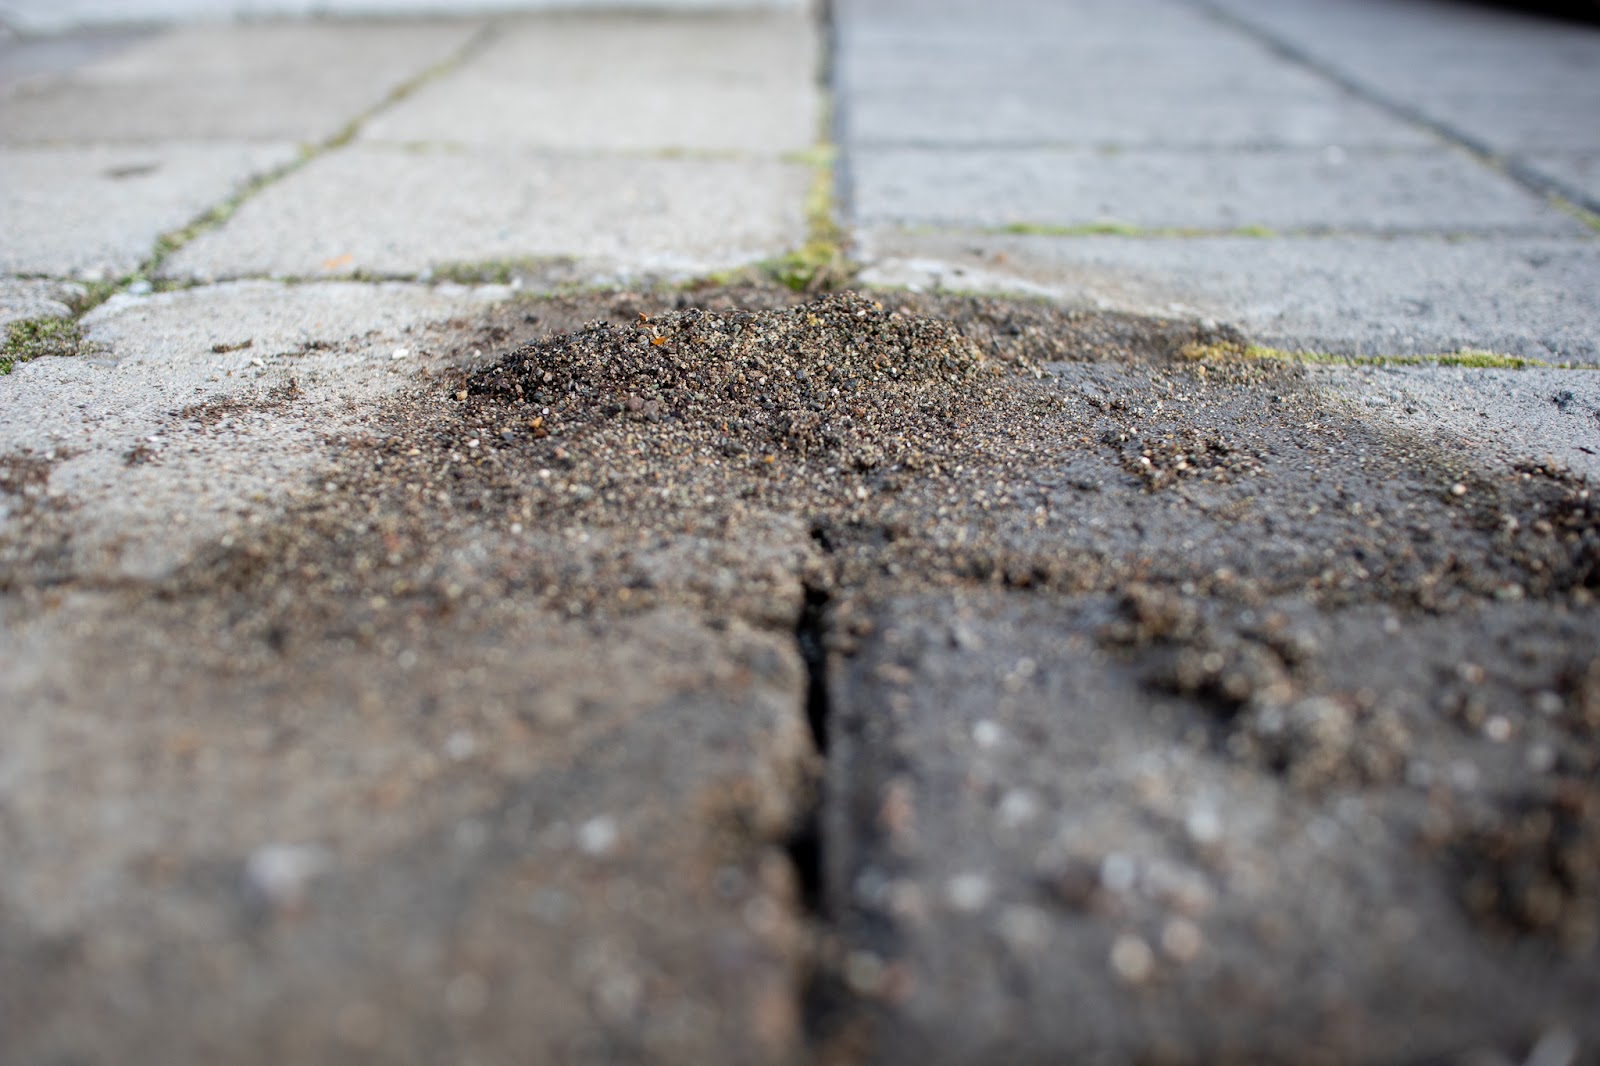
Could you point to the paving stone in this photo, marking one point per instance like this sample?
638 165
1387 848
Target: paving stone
95 212
567 853
31 59
1111 115
54 16
1339 294
1282 189
192 477
33 298
357 210
742 83
299 82
1581 172
1043 858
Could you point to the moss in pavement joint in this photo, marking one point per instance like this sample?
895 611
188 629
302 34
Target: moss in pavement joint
35 338
1466 357
1111 228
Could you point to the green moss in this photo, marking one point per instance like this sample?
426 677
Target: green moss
820 263
1467 357
1111 228
498 271
35 338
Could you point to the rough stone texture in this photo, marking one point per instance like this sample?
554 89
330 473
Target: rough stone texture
1046 861
164 442
1306 189
21 298
486 848
612 82
51 16
357 210
1348 295
1549 415
300 82
97 211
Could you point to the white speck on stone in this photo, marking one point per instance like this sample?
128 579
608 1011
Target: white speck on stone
460 745
1181 939
987 734
281 874
967 892
1132 960
1203 826
1118 873
399 353
1017 807
598 835
1497 728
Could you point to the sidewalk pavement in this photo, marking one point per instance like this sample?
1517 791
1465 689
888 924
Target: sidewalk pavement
306 761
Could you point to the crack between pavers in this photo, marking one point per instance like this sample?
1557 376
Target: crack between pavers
1569 199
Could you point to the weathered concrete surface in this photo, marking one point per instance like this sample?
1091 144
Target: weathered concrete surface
54 16
184 417
1351 295
1316 122
298 82
35 299
356 210
96 211
742 85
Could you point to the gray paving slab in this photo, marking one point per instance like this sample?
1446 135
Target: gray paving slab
1021 828
742 83
1577 171
300 82
1550 416
1282 189
54 16
28 59
1111 116
36 298
145 359
96 211
1348 295
362 209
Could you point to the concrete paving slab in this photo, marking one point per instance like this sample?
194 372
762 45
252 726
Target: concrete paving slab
1577 171
299 82
1024 828
169 429
1282 189
29 59
36 298
1110 115
1337 294
358 210
1551 416
742 83
96 211
54 16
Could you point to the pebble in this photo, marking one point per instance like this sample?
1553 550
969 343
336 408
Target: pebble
1132 960
598 835
281 874
968 891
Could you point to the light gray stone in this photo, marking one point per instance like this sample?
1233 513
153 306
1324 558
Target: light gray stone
742 84
34 298
1218 189
1339 294
145 359
24 60
97 211
1579 172
387 211
263 81
1532 414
